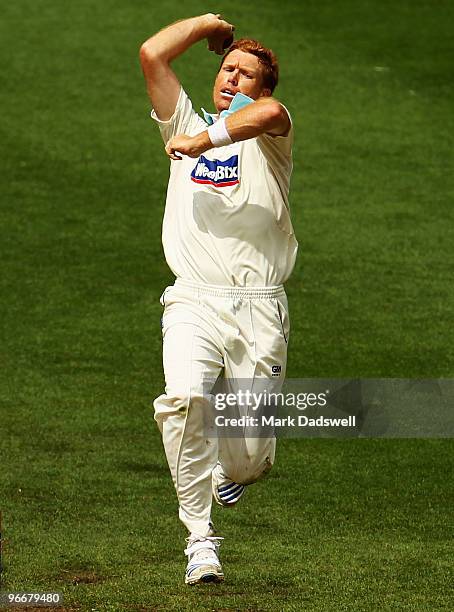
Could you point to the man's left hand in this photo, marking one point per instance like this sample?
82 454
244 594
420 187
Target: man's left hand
192 146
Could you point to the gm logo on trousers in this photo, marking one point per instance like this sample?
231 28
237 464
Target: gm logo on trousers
216 172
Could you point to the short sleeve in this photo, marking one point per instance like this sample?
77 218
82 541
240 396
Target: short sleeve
277 146
183 121
277 151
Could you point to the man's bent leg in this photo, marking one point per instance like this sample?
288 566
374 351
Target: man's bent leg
262 368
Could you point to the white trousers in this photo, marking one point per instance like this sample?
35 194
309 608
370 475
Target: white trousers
211 331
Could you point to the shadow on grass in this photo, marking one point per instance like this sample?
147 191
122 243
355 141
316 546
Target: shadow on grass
80 572
143 468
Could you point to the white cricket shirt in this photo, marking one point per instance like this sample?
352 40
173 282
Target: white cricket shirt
227 219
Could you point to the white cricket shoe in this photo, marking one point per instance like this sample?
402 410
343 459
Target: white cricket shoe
225 492
203 560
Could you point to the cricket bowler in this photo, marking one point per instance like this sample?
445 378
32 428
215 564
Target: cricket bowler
229 240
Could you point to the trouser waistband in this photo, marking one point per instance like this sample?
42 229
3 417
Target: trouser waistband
232 292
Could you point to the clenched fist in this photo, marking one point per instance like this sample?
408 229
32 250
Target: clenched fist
222 36
192 146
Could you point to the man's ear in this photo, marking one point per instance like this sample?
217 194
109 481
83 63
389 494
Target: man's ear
265 93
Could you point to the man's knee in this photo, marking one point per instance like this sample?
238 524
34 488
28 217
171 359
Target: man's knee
180 405
251 469
166 406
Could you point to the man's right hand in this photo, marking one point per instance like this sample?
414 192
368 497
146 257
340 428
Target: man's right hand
157 53
222 35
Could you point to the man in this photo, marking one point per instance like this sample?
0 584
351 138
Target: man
228 238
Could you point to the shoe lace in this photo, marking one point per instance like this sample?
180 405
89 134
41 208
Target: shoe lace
196 545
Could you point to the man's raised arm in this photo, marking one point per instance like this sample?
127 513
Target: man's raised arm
157 53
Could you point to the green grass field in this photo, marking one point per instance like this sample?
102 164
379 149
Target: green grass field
88 505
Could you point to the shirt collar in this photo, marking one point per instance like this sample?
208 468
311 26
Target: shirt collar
238 101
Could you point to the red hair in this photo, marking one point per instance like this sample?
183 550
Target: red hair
266 57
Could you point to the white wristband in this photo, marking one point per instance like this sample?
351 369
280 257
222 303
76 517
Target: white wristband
218 134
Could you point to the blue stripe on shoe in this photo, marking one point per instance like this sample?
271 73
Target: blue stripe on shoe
194 567
230 491
233 495
233 499
228 486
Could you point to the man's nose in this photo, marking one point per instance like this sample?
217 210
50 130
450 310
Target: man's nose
233 77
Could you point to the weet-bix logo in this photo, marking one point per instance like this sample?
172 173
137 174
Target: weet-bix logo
216 172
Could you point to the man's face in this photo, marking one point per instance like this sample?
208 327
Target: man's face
240 72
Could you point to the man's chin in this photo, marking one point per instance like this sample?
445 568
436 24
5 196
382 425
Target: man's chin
222 105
